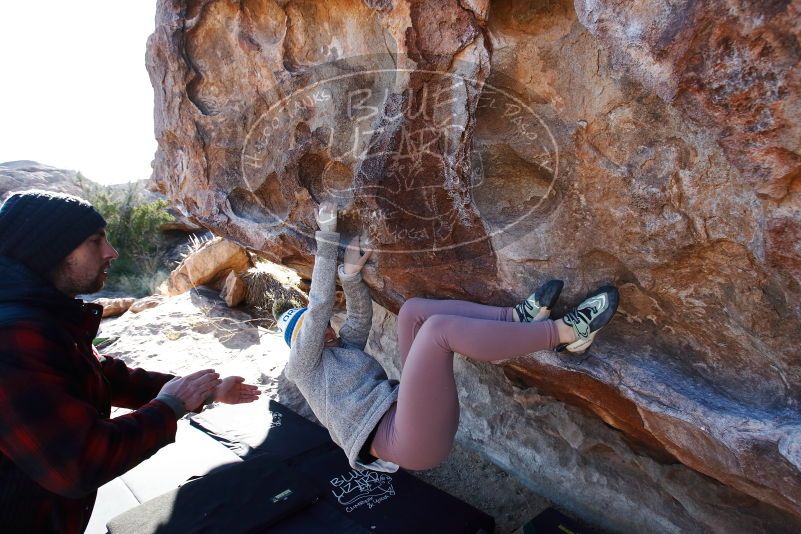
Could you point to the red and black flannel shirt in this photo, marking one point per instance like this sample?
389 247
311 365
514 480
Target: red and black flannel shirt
57 442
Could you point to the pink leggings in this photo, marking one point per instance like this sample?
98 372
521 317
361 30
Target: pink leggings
417 432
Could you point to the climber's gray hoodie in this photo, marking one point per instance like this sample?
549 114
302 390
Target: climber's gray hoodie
346 388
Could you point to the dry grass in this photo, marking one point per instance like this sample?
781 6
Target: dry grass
271 286
195 244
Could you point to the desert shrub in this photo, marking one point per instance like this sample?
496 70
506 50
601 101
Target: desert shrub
133 227
272 289
137 282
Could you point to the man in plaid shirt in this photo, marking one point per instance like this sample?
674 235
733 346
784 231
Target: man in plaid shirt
58 443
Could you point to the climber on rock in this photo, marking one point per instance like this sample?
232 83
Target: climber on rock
382 424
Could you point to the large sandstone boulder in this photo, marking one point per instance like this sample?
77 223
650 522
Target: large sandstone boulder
146 303
234 290
212 262
486 148
113 307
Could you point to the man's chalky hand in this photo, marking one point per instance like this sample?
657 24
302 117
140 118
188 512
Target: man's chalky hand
193 389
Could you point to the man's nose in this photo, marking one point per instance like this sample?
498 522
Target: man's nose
111 252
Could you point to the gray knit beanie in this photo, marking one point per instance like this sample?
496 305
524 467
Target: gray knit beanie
40 228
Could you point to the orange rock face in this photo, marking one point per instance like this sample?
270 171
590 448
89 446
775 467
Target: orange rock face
486 148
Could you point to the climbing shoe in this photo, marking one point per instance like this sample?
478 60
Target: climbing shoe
589 317
538 306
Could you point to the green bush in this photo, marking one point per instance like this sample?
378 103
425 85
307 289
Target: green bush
132 228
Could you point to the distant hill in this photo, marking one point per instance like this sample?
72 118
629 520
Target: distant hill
21 175
26 174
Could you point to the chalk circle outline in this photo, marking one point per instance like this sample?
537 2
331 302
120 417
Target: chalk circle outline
479 86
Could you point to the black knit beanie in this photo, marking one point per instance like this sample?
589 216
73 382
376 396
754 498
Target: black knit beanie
40 228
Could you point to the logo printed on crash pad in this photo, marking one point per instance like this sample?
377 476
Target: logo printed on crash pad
362 488
276 419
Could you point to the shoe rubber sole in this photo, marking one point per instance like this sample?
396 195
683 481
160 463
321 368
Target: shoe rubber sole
580 346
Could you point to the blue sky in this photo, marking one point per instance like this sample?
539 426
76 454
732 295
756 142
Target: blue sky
73 85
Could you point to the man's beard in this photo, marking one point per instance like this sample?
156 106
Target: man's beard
92 287
74 283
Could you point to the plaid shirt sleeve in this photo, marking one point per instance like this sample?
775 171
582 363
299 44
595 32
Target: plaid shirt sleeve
131 388
52 433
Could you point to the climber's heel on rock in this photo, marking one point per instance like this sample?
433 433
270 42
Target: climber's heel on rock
589 317
538 306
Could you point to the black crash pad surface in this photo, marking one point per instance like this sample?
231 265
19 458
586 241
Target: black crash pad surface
346 500
242 497
552 521
262 428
